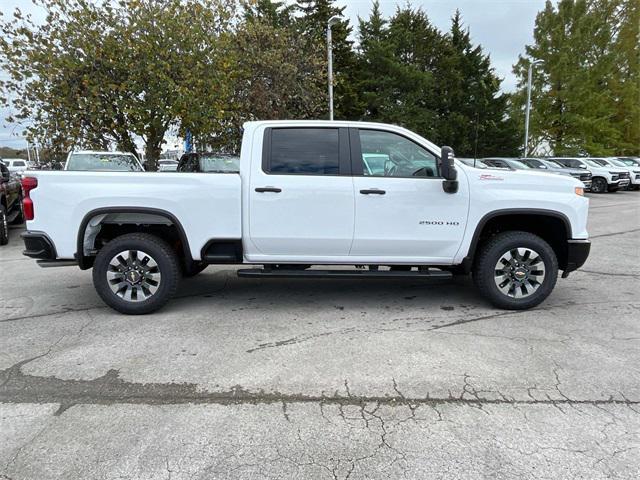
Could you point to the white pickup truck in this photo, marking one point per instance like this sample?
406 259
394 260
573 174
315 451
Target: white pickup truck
375 197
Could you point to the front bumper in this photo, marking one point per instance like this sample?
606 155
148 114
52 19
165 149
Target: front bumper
577 253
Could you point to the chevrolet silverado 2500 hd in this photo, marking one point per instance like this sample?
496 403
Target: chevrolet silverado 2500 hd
309 193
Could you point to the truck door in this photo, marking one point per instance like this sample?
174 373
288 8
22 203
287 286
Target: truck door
402 211
301 199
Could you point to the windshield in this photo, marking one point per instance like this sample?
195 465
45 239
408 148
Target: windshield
103 162
555 164
534 163
517 164
593 163
220 163
630 162
618 163
574 163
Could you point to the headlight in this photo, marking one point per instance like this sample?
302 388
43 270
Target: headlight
613 173
579 191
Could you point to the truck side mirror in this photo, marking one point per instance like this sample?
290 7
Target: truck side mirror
448 170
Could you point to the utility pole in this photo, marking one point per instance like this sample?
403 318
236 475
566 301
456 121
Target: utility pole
528 108
332 21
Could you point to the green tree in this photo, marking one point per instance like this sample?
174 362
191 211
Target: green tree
439 85
102 73
274 13
277 74
585 94
312 23
473 110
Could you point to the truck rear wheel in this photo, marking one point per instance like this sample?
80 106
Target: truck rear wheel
136 273
516 270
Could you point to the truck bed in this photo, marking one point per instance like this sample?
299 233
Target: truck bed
207 205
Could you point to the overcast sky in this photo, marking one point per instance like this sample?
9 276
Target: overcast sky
502 27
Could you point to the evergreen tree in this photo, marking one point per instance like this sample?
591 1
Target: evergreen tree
441 86
275 13
312 22
473 110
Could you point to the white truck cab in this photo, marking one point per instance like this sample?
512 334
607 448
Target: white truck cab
374 197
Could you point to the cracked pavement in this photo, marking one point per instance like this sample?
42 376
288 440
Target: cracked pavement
336 379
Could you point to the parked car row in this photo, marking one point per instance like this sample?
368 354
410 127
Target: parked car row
599 175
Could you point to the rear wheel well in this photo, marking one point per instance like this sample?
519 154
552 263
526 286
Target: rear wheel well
555 230
98 228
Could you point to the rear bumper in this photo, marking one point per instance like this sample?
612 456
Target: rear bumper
38 245
577 254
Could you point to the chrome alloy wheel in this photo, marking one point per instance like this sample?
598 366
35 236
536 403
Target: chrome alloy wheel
519 272
133 275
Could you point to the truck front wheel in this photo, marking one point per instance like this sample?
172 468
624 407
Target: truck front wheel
516 270
599 185
136 273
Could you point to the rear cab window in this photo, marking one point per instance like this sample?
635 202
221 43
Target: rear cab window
103 162
305 151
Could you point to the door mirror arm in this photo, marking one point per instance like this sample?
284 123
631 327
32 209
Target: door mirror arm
448 170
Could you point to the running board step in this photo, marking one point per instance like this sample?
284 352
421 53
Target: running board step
281 273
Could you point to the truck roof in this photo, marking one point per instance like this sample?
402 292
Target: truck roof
253 125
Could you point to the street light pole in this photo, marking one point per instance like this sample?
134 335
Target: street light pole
528 109
332 21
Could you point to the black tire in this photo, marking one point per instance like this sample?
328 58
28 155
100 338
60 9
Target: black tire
193 269
599 185
19 220
166 264
486 277
4 226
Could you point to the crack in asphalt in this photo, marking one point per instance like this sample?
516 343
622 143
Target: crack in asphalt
109 389
615 233
611 274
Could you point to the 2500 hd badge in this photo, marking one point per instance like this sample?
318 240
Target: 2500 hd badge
438 222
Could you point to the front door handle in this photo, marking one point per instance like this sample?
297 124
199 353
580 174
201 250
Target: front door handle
372 191
268 189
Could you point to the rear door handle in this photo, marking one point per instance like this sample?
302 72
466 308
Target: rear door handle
268 189
372 191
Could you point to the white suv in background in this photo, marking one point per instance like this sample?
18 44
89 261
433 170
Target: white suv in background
15 165
633 171
604 179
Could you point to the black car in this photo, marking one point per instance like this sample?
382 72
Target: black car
208 162
10 202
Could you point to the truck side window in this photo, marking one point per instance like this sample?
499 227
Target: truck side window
386 154
304 151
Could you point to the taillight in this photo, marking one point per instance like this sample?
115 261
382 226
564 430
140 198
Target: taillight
28 184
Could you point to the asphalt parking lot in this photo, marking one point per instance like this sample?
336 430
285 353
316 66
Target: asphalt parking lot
309 379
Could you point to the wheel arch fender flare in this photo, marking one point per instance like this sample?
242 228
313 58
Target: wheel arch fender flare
468 259
82 259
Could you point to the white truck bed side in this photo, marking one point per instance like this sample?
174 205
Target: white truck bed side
206 205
